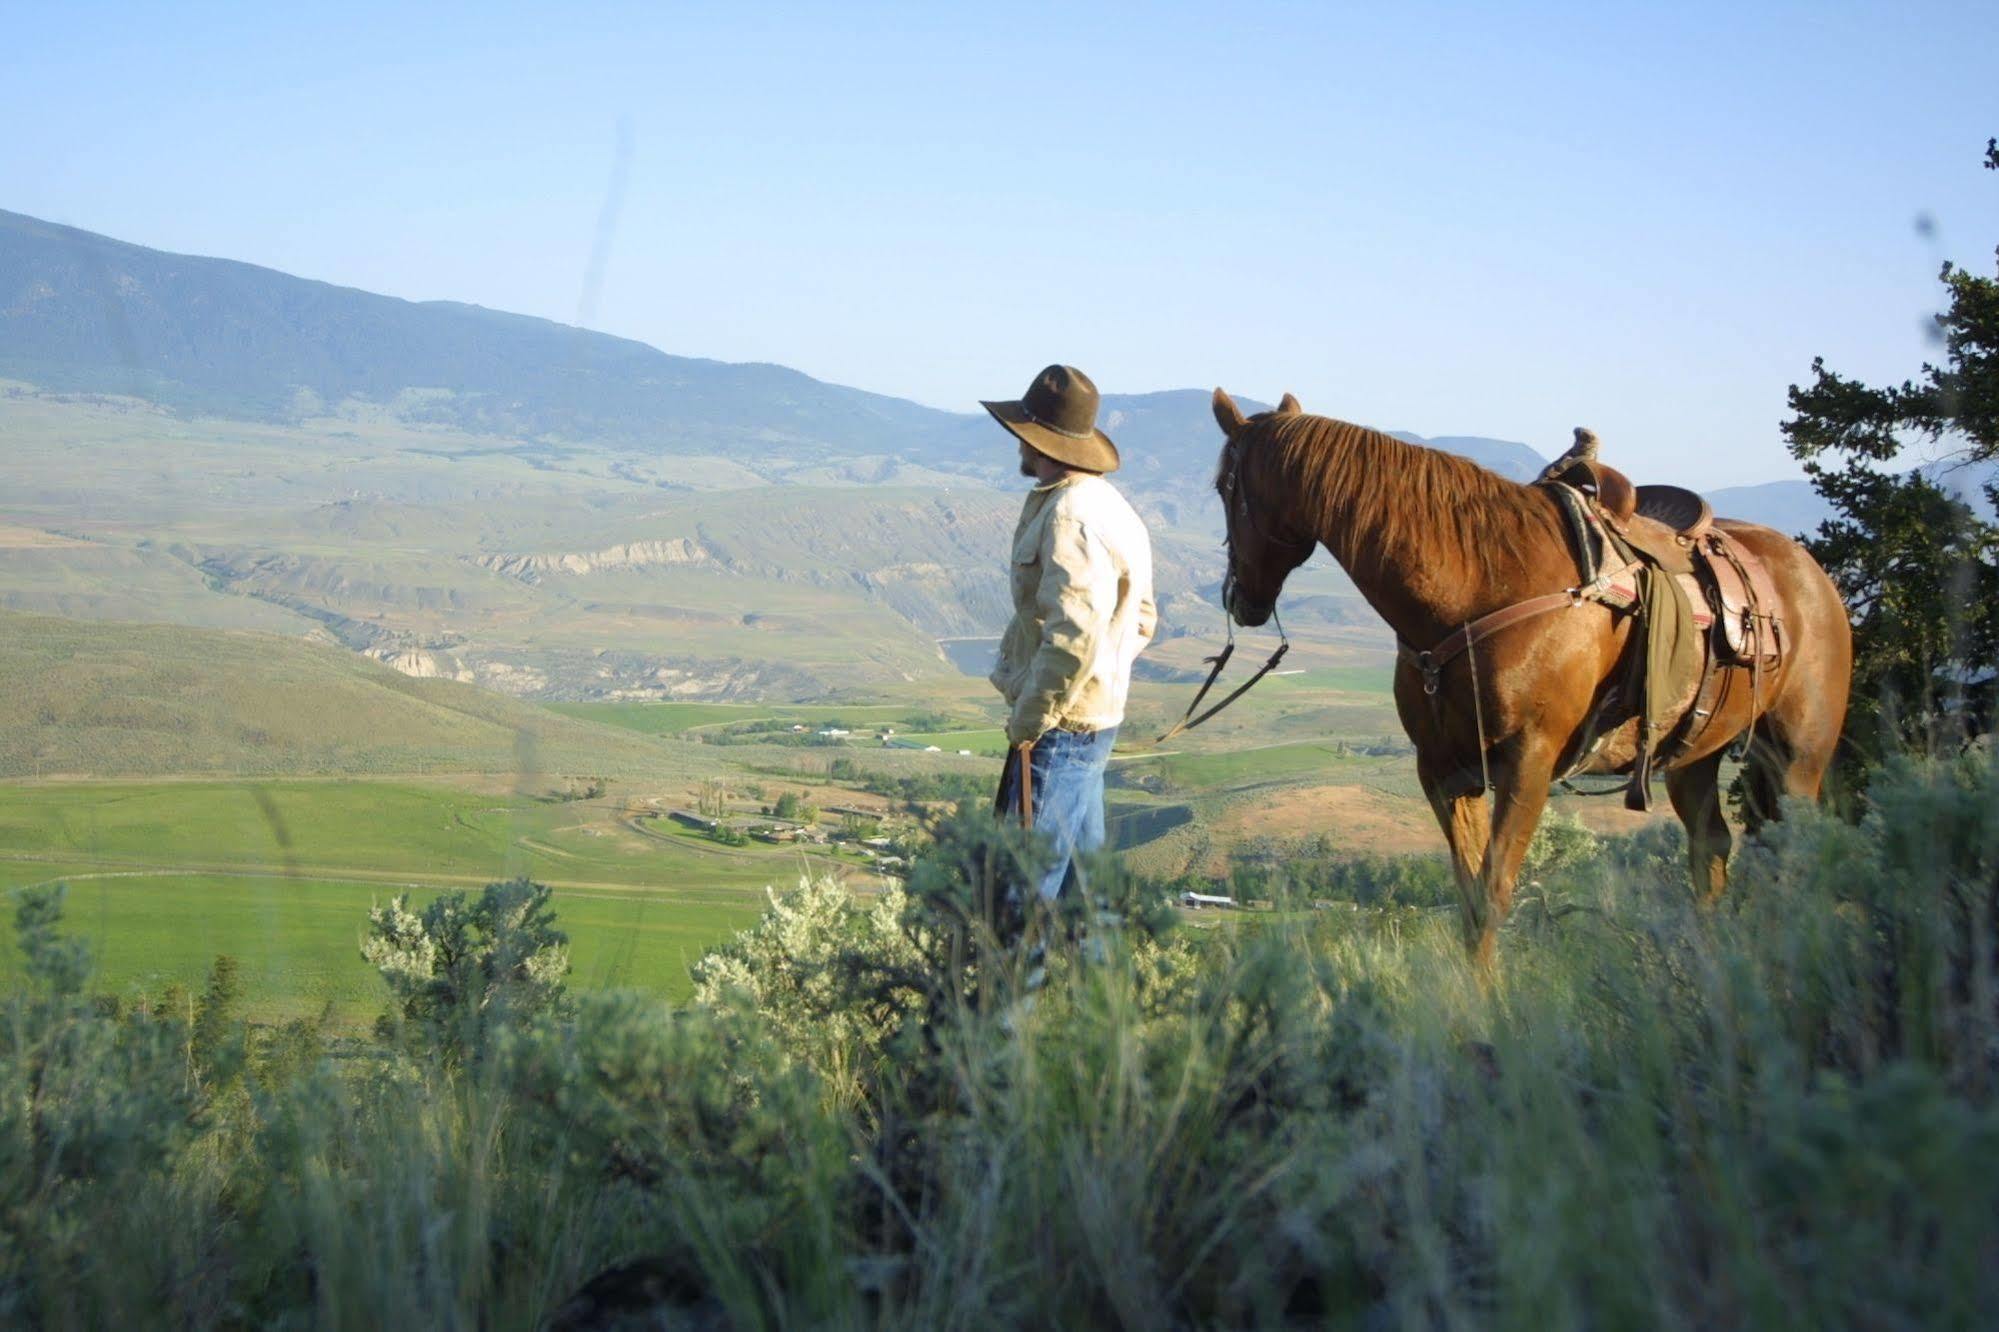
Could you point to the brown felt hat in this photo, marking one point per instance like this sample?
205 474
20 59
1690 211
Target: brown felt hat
1058 416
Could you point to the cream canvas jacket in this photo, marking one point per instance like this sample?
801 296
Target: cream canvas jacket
1082 608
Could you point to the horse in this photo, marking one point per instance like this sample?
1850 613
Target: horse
1434 542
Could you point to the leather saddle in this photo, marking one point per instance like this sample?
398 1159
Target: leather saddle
1687 514
1673 529
1705 605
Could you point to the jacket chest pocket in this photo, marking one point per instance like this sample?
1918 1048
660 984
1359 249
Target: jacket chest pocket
1026 569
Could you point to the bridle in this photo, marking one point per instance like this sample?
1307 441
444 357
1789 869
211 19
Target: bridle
1235 508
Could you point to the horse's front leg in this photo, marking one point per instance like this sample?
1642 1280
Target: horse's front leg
1696 795
1520 794
1467 824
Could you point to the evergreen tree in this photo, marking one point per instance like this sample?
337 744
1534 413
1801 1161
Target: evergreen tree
1918 567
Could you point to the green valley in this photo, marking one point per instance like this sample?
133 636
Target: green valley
164 876
206 791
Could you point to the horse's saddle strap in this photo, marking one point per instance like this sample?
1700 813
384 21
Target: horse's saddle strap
1604 589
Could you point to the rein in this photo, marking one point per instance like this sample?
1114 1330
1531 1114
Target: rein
1232 488
1189 721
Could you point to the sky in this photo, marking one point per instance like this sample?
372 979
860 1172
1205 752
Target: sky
1501 220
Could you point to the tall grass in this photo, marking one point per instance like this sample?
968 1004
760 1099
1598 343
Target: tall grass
896 1113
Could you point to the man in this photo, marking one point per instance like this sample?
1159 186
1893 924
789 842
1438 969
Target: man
1082 612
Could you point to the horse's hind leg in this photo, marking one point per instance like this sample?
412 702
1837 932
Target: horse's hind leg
1790 751
1696 796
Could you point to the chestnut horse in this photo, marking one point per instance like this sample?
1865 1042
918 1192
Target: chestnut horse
1434 542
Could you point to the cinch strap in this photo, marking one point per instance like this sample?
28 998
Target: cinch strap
1433 661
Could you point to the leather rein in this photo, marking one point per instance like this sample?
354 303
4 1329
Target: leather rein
1429 662
1232 501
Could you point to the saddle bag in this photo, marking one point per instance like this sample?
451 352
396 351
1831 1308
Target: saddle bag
1744 601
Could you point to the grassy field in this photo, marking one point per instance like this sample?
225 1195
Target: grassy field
662 718
164 876
682 718
990 742
205 791
104 700
279 872
1772 1114
297 937
1259 765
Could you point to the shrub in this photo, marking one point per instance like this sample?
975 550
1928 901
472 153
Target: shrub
931 1109
795 968
457 967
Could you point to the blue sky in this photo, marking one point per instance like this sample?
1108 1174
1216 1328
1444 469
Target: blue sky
1500 220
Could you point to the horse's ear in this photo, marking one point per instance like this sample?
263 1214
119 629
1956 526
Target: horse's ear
1227 415
1288 406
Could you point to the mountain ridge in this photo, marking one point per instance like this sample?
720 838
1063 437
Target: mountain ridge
83 312
80 311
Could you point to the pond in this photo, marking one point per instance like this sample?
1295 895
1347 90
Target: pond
973 656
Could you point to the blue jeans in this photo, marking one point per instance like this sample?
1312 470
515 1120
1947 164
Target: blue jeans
1068 779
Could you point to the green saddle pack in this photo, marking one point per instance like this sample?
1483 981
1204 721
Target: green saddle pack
1610 529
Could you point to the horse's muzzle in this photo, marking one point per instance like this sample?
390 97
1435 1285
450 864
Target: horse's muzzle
1247 613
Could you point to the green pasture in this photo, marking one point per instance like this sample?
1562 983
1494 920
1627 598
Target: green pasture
154 700
682 718
450 833
298 939
165 875
1349 702
1371 679
662 718
989 743
1230 768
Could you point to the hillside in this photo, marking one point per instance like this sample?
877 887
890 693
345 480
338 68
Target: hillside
83 312
114 700
1789 506
80 312
552 573
537 509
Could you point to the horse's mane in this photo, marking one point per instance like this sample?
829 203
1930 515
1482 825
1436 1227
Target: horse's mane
1350 483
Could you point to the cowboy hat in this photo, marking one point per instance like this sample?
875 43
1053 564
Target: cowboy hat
1058 416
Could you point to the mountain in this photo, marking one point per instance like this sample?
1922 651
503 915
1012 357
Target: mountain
1796 508
491 498
1516 462
1792 507
83 312
80 312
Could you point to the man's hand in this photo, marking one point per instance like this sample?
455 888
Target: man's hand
1025 730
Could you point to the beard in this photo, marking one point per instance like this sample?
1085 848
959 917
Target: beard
1027 468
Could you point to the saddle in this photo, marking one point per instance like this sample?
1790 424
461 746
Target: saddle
1707 604
1672 528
